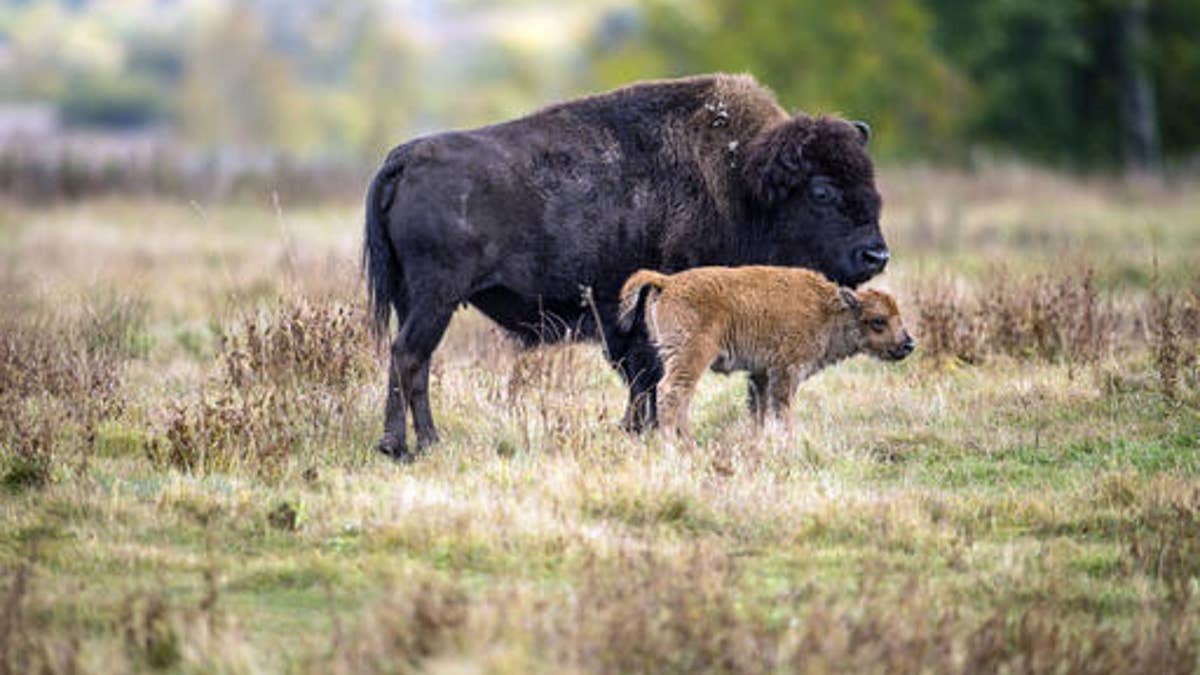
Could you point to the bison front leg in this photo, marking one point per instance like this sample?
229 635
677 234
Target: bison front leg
756 392
641 369
641 409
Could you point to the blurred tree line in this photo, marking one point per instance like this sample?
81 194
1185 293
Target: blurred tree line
1075 83
1078 83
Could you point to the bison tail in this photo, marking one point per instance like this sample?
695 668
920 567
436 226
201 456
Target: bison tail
633 296
385 278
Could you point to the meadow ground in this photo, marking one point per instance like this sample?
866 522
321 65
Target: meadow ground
189 398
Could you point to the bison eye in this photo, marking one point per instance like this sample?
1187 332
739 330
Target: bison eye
878 324
822 192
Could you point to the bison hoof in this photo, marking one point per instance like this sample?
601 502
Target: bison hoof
405 457
395 448
637 424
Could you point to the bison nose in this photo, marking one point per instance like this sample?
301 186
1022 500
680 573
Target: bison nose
874 258
906 347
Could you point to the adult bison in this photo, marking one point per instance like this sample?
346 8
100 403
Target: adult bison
518 218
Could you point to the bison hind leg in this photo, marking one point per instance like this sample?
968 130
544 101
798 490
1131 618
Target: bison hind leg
408 380
393 442
418 401
757 396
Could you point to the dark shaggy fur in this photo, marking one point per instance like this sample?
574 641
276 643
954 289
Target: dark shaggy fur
518 217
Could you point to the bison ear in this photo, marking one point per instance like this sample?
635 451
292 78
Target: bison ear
774 160
850 299
864 130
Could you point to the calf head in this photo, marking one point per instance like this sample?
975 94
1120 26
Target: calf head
883 333
812 185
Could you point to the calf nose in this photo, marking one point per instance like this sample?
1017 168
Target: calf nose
875 258
907 346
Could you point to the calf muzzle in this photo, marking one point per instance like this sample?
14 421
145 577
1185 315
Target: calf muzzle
903 349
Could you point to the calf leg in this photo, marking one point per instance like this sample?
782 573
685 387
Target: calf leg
681 372
674 392
780 389
408 379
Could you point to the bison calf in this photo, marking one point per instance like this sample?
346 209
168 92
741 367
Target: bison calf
780 324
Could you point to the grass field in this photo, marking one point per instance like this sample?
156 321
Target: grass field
189 398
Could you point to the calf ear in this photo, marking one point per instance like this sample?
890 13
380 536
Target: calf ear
774 160
864 130
850 299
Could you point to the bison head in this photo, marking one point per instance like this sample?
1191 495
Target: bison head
811 184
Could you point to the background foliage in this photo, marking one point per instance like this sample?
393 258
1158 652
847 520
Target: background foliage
938 79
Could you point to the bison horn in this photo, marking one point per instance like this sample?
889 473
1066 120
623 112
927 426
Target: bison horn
850 299
864 129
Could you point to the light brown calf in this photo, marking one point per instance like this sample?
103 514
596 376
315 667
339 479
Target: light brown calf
781 324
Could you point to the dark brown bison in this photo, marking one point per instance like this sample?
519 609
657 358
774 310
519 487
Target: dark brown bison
519 218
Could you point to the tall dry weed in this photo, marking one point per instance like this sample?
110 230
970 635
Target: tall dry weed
257 430
1046 317
1174 328
61 377
546 395
285 381
326 344
947 324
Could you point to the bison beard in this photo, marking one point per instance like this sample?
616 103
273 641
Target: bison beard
518 217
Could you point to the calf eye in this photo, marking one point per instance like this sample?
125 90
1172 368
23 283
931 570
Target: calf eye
821 192
878 324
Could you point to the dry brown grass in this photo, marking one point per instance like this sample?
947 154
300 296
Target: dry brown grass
325 344
286 381
1034 511
1055 317
60 379
1174 327
692 612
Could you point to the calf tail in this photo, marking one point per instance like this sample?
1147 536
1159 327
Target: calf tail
633 296
385 278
